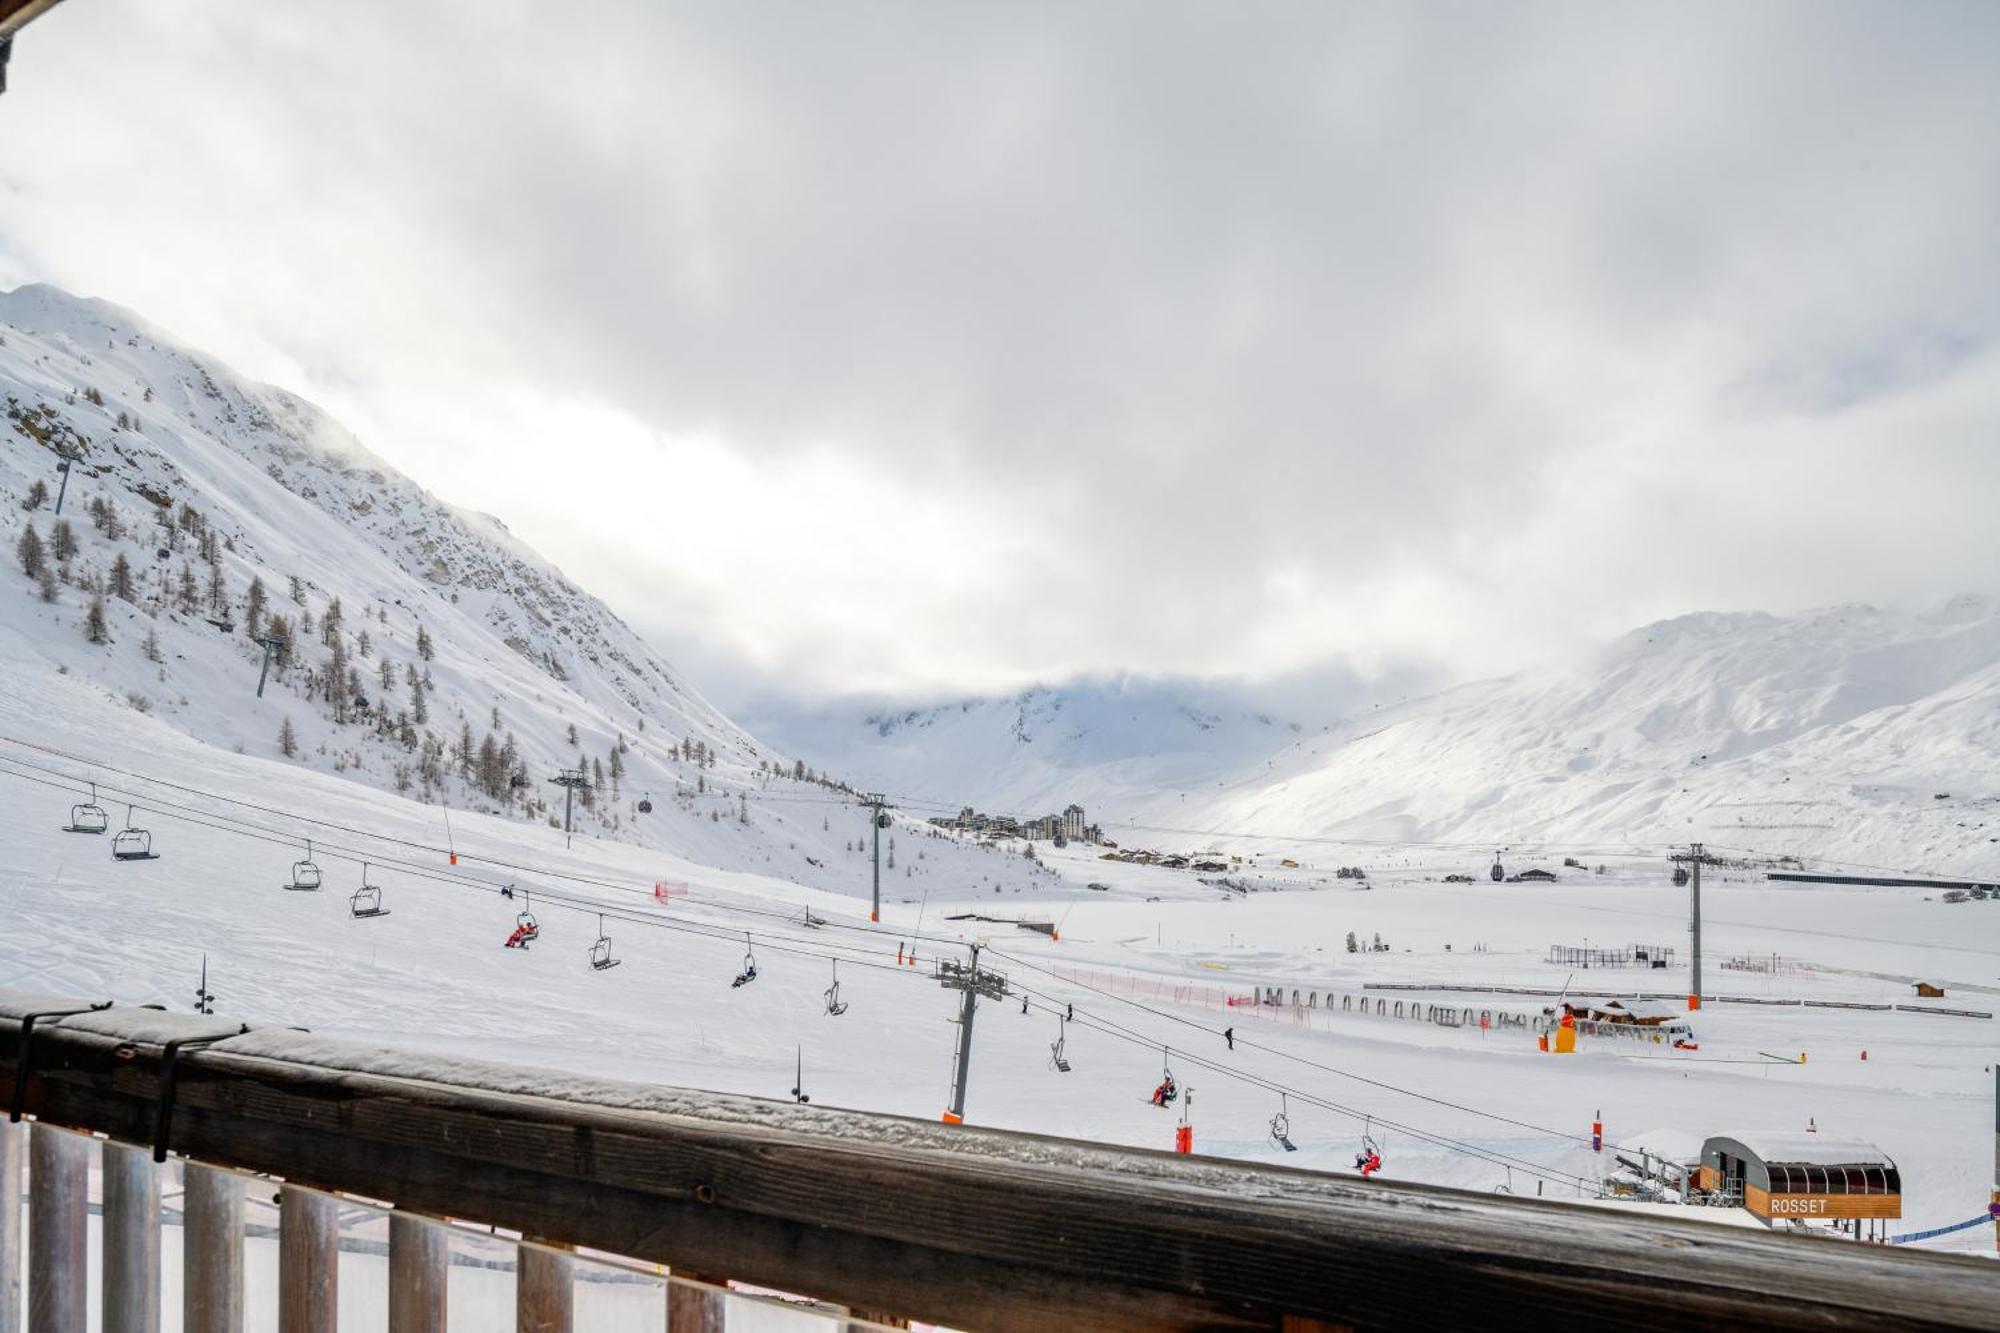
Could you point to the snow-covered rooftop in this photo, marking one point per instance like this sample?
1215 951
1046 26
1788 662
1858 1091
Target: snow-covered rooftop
1797 1148
1669 1145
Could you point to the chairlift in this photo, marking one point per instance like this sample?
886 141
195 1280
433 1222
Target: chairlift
88 817
600 952
835 1006
749 972
1168 1091
813 922
1056 1056
1369 1160
1281 1125
133 844
646 804
799 1076
526 929
305 875
366 901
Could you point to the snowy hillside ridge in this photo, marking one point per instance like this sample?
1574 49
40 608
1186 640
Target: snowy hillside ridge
1087 711
1041 747
427 650
176 394
1850 731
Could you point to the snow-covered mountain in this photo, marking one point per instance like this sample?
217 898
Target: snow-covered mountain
1088 740
460 668
1851 732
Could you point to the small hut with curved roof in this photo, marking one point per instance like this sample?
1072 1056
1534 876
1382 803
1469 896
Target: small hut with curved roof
1787 1176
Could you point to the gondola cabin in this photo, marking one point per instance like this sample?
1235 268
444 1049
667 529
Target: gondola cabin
1792 1178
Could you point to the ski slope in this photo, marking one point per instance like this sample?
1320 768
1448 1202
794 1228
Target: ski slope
433 976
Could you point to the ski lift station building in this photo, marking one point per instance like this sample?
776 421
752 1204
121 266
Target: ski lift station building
1805 1177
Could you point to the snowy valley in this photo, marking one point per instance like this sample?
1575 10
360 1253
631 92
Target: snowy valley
460 672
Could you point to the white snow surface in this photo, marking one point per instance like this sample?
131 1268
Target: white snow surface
1150 962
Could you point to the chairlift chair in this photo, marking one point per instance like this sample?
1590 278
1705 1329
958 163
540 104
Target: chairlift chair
1281 1126
366 901
1056 1056
132 843
835 1006
1168 1091
600 952
306 877
749 972
88 817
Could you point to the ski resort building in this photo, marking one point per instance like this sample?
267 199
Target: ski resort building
1805 1177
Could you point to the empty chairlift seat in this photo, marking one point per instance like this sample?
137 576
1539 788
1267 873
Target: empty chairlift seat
133 843
87 816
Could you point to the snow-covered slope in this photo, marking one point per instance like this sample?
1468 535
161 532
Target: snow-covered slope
1851 732
475 671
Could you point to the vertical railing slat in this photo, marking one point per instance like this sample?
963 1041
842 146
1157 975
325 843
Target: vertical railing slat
130 1270
58 1230
308 1259
692 1309
13 1156
211 1251
419 1264
544 1290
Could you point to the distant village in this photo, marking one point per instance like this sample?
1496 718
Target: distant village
1067 827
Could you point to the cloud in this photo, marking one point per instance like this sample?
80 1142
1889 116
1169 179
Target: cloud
943 347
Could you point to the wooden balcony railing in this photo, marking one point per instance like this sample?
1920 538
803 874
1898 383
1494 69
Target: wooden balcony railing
890 1217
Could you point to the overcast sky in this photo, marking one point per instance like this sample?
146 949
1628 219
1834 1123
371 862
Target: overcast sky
932 348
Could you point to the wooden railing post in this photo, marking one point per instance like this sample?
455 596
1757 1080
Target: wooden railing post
544 1290
308 1255
58 1230
419 1263
692 1309
131 1264
211 1251
13 1151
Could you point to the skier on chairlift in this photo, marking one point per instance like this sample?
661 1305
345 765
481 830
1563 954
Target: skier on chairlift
1368 1161
522 934
1166 1092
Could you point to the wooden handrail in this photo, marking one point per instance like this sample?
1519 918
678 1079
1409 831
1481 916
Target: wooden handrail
970 1227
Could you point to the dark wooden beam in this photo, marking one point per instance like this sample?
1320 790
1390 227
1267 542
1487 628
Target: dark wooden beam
16 14
974 1228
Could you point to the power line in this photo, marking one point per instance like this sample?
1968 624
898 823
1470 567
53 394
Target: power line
1286 1055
